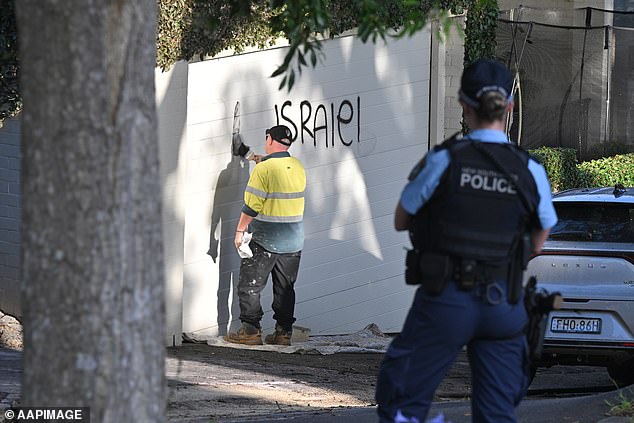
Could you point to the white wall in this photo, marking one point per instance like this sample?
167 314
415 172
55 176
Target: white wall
171 98
351 272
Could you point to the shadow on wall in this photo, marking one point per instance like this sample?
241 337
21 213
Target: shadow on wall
227 205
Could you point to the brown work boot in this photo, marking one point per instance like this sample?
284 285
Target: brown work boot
247 335
279 337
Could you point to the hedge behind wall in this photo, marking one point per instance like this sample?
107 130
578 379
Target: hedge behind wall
189 28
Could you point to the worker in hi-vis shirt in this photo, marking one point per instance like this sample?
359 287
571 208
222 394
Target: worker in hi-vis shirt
273 215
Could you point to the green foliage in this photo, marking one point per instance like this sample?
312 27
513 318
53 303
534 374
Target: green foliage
480 27
560 165
624 405
205 27
607 171
371 18
188 28
305 22
564 172
480 30
10 99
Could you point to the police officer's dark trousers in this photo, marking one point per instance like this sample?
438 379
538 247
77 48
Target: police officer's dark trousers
434 333
254 272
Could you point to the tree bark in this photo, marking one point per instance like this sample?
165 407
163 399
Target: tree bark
93 279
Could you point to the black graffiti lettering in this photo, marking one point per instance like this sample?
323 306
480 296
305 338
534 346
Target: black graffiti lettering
323 127
332 127
286 104
358 119
347 120
305 121
321 120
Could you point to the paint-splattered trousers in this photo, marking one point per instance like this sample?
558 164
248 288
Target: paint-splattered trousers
434 333
254 273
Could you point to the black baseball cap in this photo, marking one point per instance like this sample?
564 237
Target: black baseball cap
483 76
281 134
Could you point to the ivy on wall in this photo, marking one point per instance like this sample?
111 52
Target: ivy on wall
480 27
10 100
188 29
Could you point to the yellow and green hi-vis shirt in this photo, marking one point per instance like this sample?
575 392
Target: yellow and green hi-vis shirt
274 197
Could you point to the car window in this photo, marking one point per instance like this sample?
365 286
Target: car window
595 222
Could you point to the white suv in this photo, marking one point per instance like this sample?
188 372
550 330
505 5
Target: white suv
589 258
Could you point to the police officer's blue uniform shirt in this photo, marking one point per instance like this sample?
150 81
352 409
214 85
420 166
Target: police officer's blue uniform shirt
417 192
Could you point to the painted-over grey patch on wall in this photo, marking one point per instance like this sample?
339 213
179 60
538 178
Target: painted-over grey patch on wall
10 210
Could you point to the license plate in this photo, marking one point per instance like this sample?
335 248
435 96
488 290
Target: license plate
575 325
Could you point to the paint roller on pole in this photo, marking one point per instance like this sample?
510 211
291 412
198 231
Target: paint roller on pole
238 147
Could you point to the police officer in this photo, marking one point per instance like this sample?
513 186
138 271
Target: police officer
470 205
273 211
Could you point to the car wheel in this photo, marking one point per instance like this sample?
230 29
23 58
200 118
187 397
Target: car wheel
622 373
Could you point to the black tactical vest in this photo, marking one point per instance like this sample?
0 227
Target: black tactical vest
475 212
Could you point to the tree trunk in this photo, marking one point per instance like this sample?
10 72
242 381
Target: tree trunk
92 257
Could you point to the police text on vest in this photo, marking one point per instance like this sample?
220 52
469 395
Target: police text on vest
485 180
